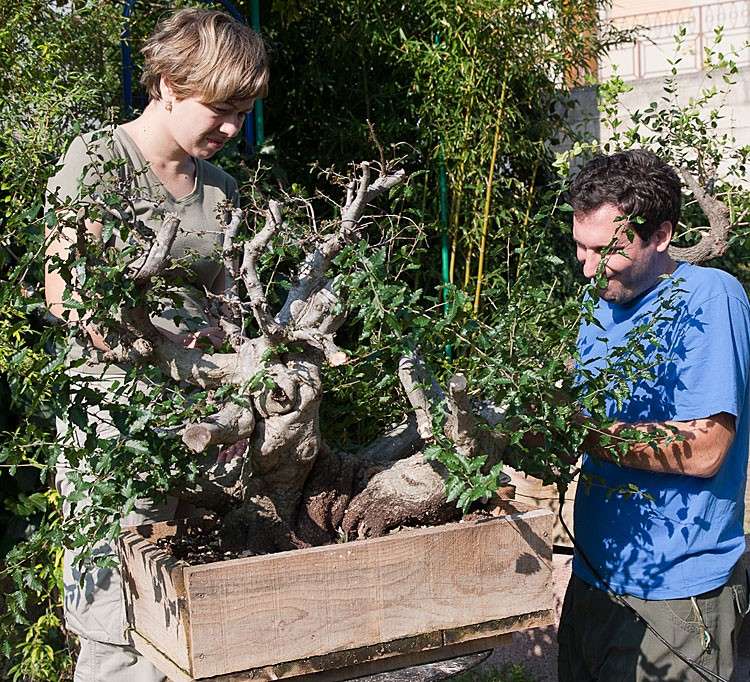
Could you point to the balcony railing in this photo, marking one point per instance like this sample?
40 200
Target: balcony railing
649 56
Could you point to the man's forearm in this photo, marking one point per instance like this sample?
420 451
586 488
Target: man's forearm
693 448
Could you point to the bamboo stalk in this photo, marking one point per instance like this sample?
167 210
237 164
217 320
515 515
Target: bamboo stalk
488 196
467 269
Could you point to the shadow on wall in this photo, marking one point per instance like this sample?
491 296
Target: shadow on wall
583 120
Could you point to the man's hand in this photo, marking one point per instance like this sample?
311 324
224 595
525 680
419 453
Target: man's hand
213 336
231 452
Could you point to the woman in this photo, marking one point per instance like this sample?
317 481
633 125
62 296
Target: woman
203 71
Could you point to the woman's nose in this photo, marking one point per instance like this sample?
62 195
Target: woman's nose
231 126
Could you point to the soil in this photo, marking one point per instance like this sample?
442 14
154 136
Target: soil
200 541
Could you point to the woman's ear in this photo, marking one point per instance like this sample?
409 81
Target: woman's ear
165 90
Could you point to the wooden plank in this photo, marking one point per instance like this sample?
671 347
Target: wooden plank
166 665
393 656
409 660
155 592
432 671
493 628
533 492
249 613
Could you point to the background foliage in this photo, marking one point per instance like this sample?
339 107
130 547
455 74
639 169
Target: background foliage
476 97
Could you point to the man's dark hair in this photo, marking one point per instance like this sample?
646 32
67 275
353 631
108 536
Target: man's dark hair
637 181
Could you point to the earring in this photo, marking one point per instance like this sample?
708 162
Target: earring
168 106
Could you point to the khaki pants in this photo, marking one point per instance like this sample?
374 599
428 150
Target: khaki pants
93 600
100 662
601 640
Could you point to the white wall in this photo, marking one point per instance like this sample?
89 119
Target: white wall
644 64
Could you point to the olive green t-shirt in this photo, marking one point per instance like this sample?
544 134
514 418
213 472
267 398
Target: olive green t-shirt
92 164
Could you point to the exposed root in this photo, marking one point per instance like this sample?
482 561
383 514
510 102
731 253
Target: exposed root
326 497
410 492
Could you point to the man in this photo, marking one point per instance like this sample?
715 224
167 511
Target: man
657 592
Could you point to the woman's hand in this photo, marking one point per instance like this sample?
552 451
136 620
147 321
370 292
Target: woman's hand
97 338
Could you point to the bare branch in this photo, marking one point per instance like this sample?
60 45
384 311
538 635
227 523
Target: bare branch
256 294
229 249
311 275
421 390
158 255
230 314
210 370
400 441
460 424
231 424
377 143
318 312
350 187
323 342
192 365
465 422
314 321
366 193
714 241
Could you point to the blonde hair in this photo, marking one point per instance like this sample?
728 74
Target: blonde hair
206 54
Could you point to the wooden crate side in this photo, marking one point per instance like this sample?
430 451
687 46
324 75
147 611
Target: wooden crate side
503 626
160 661
260 611
344 665
414 658
532 491
155 591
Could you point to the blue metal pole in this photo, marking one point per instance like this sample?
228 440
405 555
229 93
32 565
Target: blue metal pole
444 239
127 63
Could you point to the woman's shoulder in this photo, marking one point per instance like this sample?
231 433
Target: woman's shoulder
95 144
82 162
217 178
90 148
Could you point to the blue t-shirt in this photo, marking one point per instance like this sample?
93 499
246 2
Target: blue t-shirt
680 535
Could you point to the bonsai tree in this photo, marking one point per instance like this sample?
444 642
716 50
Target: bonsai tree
260 394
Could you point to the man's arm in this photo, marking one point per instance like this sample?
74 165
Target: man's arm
700 450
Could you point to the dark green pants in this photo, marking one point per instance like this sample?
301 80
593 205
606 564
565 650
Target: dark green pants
602 640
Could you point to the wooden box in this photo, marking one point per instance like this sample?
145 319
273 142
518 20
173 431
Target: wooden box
532 491
410 597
